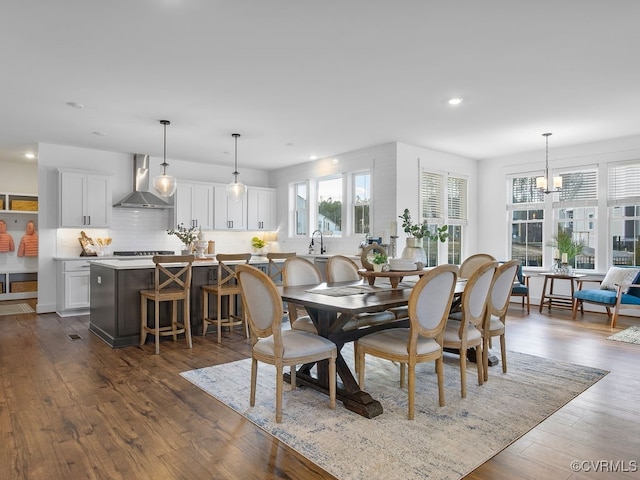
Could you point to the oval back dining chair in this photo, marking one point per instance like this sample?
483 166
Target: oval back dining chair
464 328
272 345
429 306
472 263
497 306
298 271
341 269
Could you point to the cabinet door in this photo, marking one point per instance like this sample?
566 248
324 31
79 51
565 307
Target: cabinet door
98 200
261 209
183 204
229 215
76 290
72 194
202 206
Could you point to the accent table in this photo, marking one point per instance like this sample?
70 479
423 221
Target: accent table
394 276
556 299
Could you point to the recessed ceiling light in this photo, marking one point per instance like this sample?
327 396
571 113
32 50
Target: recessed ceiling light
75 105
335 161
313 157
99 134
30 155
455 101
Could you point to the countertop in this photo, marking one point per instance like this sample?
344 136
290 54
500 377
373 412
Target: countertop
146 262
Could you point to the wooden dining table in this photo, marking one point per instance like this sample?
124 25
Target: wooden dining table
330 307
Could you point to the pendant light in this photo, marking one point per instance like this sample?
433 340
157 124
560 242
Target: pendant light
542 182
236 190
165 184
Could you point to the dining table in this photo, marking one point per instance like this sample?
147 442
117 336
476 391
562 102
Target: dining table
330 307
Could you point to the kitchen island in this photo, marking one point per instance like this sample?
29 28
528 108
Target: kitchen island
115 296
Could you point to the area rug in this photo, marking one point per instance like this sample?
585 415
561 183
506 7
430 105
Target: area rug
441 443
15 309
629 335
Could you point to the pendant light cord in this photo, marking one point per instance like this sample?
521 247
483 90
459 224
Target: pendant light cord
164 158
235 172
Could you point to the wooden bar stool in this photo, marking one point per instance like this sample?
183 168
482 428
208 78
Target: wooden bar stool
169 286
226 286
274 269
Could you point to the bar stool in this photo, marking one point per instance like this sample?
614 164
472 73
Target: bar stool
274 269
226 286
168 286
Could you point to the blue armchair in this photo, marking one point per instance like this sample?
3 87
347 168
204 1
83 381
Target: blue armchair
521 287
620 289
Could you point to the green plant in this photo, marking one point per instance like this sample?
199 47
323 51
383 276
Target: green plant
422 230
258 243
564 242
379 258
186 235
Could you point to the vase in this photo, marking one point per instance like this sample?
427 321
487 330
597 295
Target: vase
414 251
377 267
186 249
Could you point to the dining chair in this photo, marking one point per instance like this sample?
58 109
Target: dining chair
472 263
495 317
298 271
226 287
274 346
274 268
429 305
171 283
521 288
464 328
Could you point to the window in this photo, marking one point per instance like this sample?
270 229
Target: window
329 201
526 212
575 213
456 217
361 202
301 208
623 203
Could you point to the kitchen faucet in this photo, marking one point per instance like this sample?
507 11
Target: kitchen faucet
322 249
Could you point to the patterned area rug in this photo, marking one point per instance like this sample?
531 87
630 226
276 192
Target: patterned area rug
15 309
441 443
629 335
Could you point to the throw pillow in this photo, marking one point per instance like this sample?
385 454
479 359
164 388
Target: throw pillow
619 276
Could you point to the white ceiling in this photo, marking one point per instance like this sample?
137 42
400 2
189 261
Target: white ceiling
300 77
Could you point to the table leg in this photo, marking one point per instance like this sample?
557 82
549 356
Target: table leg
544 292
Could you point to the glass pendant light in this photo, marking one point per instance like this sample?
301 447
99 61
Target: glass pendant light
542 182
236 190
165 184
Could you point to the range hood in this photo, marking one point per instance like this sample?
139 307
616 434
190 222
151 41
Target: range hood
141 197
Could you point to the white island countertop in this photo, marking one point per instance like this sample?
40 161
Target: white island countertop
141 263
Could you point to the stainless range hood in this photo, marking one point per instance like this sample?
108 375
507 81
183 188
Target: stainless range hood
141 197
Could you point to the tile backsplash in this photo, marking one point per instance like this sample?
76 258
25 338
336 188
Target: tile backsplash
133 229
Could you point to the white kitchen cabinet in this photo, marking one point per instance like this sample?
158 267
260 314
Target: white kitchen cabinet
194 205
261 208
85 199
73 287
228 214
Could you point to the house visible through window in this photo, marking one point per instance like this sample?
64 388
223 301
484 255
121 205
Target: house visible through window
301 208
329 201
526 212
361 202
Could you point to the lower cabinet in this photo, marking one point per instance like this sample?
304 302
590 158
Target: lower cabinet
73 287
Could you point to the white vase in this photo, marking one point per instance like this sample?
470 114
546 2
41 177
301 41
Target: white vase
377 267
414 251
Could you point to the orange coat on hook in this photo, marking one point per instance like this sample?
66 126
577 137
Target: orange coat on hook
6 240
29 243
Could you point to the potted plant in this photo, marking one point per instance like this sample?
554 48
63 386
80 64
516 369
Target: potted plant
564 242
258 244
186 235
416 234
379 261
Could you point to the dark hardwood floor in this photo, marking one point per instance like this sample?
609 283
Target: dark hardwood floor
75 408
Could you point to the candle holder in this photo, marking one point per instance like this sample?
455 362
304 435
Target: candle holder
556 267
392 246
565 269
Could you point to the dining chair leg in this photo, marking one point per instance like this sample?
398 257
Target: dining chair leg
279 393
292 374
412 389
402 374
485 358
479 363
463 372
361 370
440 375
332 383
254 378
503 351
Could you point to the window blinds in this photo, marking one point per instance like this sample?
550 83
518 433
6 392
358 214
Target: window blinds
432 194
624 184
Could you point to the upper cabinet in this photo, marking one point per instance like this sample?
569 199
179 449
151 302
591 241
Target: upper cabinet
85 199
229 215
261 208
194 205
